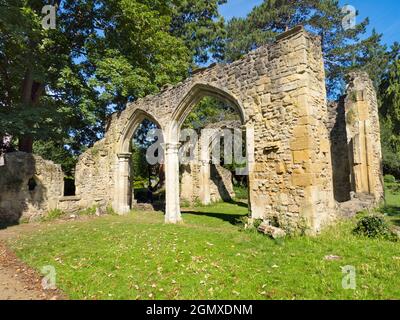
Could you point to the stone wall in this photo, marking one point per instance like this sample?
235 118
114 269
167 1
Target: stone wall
292 179
200 176
29 187
363 136
220 184
279 91
94 176
221 187
299 156
339 150
190 184
355 141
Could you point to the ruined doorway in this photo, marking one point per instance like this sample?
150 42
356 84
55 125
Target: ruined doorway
147 176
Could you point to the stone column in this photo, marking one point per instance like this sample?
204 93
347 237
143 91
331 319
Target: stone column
123 184
204 179
205 170
250 152
172 205
363 134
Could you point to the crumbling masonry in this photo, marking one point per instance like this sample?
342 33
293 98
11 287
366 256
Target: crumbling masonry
279 92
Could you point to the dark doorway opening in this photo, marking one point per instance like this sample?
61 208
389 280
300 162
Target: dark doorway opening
69 187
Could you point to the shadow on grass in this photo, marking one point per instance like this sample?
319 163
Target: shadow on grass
396 222
392 211
238 203
233 219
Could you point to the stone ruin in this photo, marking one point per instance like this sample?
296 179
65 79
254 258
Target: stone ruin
29 186
203 181
304 157
353 123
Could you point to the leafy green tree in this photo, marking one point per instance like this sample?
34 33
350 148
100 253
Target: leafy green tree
343 49
201 27
63 83
57 153
140 167
210 110
389 91
389 96
390 149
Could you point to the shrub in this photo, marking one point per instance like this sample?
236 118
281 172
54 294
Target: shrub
246 224
197 203
88 212
241 192
390 179
110 211
185 203
257 223
374 227
53 215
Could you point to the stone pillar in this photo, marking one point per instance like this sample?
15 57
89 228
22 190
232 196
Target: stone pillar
205 170
123 186
172 205
204 179
250 152
363 134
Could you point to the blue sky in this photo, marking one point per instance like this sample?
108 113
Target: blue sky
384 14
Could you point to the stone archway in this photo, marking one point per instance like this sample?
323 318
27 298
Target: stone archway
279 90
203 177
196 92
123 196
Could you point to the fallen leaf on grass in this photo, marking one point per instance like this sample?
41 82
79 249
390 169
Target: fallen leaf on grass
332 257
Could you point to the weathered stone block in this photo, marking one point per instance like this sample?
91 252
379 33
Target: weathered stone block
273 232
325 145
304 180
301 156
302 143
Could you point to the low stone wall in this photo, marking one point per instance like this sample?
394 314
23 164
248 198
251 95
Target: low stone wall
220 184
29 187
70 204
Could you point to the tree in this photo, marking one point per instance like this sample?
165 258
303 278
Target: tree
389 91
210 110
201 27
57 153
389 96
22 65
63 83
390 150
343 50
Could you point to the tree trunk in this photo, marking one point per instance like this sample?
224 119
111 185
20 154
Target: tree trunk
25 143
31 93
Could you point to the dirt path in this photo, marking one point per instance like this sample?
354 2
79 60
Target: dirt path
12 287
17 280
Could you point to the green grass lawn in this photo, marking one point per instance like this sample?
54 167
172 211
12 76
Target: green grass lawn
208 257
392 208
